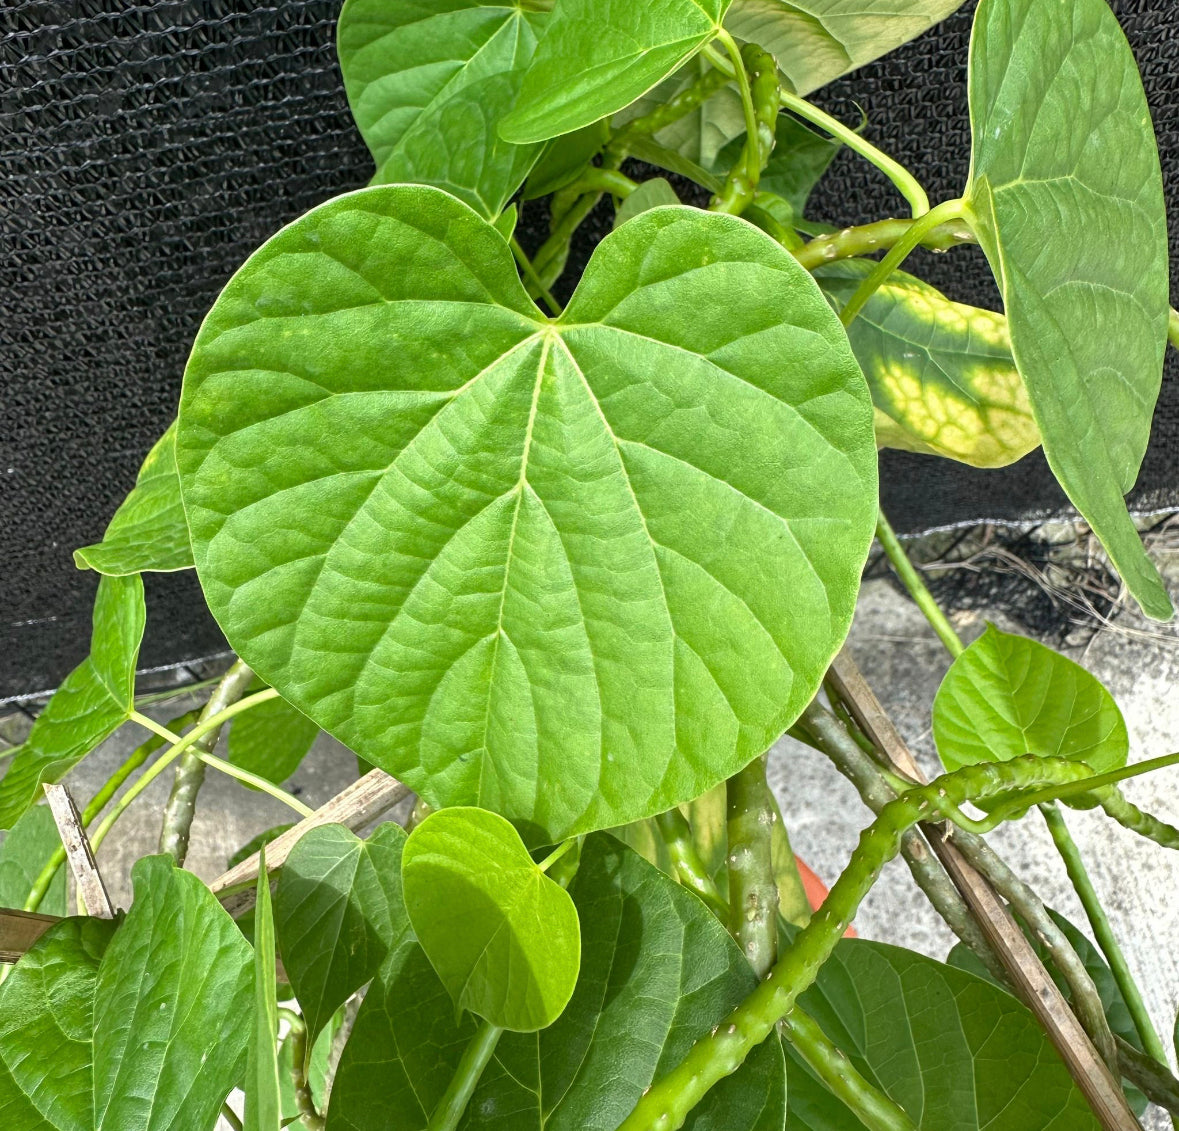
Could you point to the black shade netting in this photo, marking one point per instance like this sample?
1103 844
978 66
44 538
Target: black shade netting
147 148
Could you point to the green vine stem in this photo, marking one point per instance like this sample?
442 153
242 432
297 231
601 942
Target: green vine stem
190 773
690 98
1102 931
466 1076
830 738
871 1106
1153 1079
534 281
865 239
205 726
670 1100
550 260
597 178
1086 1001
1129 816
757 79
916 587
304 1101
907 185
231 1117
687 867
922 226
98 802
753 893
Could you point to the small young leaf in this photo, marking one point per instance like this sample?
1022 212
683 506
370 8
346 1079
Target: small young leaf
172 992
148 531
657 971
942 376
429 83
815 41
92 702
597 56
26 849
650 194
1066 198
271 739
557 554
263 1092
957 1053
1007 695
502 936
338 910
46 1029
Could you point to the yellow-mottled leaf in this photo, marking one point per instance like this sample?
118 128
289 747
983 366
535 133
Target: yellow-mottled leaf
942 377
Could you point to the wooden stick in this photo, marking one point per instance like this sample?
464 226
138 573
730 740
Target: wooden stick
363 801
78 852
19 930
1039 992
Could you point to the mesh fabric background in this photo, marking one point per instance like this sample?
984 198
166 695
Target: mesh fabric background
146 149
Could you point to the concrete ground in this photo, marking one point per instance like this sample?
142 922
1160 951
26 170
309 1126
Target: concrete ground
904 663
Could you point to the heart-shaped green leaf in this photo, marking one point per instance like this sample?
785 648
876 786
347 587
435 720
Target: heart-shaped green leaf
1066 198
338 910
597 56
26 849
942 376
271 739
502 936
956 1052
657 971
573 571
1007 695
134 1029
148 531
263 1089
93 701
428 84
47 1029
815 41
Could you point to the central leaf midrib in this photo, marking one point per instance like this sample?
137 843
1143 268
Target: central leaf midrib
521 483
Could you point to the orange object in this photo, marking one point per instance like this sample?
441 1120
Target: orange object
816 891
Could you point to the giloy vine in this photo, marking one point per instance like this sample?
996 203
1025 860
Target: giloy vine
566 557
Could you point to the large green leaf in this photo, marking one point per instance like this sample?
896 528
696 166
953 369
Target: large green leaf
428 85
573 571
148 531
815 41
92 702
597 56
502 936
26 849
1121 1022
1066 198
338 910
1006 696
171 1006
263 1089
942 376
46 1030
271 739
956 1052
657 972
137 1028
